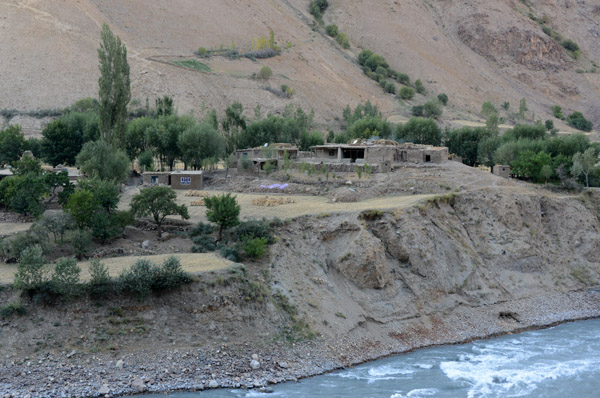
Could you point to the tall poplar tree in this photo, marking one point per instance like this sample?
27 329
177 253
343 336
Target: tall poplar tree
114 88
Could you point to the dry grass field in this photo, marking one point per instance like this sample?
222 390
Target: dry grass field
193 263
304 205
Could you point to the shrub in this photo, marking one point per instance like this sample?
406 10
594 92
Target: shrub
65 277
420 87
570 45
254 247
487 108
138 279
253 229
81 241
203 244
403 78
418 110
549 124
577 120
342 39
16 244
432 109
100 285
317 8
363 56
406 93
57 224
332 30
557 112
12 309
505 105
265 73
443 98
31 269
202 51
222 210
146 161
169 276
99 159
231 253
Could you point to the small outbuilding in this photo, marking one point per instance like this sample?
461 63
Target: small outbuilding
179 179
501 170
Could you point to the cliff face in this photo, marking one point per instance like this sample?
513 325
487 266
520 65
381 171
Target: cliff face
475 256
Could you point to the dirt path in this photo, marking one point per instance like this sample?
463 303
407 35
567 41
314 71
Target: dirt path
193 263
10 228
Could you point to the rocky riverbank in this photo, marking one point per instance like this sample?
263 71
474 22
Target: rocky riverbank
76 374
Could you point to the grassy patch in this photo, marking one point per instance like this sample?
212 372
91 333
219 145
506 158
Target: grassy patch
193 64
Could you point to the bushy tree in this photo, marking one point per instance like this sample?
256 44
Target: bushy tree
443 99
138 133
406 93
577 120
158 202
222 210
420 87
465 142
99 159
530 164
60 143
420 131
12 145
200 142
65 277
332 30
114 88
584 164
233 124
487 108
432 109
317 8
146 161
31 269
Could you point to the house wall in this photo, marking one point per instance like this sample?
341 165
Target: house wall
178 181
162 178
437 155
501 171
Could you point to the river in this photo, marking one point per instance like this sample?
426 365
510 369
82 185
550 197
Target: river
563 361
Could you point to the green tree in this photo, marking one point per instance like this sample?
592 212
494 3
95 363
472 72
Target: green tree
584 164
557 112
492 122
443 98
200 142
65 276
158 202
577 120
432 109
99 159
549 124
82 206
164 106
487 108
136 140
546 172
332 30
146 161
114 88
222 210
420 87
61 143
420 131
31 269
465 142
232 125
406 93
12 145
530 164
522 108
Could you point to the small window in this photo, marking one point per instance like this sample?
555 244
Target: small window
186 180
332 153
153 179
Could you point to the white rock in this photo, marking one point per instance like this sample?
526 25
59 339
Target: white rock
120 364
104 390
254 364
138 384
146 244
213 384
255 357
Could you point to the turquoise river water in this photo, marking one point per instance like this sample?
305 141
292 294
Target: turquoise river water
559 362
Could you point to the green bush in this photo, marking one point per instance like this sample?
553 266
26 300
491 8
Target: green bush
139 278
100 284
432 109
406 93
577 120
549 124
231 253
31 269
420 131
203 244
363 56
65 278
317 8
265 73
443 98
332 30
342 39
570 45
403 78
12 309
169 276
557 112
420 87
81 241
418 110
254 247
253 229
146 161
13 247
202 51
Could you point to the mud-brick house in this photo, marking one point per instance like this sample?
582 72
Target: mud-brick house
501 170
379 152
179 179
255 158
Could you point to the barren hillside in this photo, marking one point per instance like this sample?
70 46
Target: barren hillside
473 51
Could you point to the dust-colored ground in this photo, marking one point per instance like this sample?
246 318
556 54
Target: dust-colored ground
191 262
12 228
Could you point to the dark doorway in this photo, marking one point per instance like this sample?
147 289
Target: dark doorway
427 158
353 154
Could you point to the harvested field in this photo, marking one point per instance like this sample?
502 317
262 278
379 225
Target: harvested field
191 262
269 201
